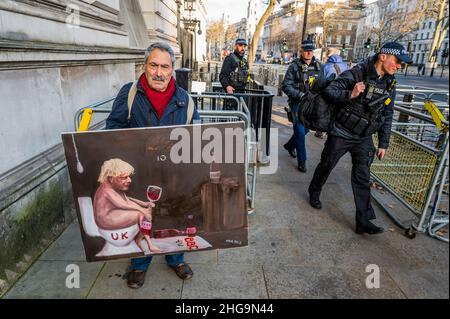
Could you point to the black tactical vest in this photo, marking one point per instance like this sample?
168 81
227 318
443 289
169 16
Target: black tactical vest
308 74
365 115
239 77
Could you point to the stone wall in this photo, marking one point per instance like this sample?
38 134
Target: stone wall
56 56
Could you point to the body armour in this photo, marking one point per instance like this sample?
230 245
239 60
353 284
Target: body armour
239 76
308 74
365 114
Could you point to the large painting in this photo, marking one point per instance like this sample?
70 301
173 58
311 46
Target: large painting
159 190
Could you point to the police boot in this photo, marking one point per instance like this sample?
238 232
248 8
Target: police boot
368 228
314 200
302 167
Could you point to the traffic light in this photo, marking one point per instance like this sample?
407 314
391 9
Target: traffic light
367 44
285 47
344 49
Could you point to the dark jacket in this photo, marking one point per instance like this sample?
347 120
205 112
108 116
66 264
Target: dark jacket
230 65
142 112
339 92
294 82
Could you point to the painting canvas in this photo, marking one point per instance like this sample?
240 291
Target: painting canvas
159 190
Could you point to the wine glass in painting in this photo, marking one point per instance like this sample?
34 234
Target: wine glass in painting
154 193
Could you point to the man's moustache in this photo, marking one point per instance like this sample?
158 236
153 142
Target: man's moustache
158 78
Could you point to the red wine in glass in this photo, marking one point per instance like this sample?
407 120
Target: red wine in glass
154 193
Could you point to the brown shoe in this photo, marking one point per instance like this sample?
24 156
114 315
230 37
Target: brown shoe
183 271
135 279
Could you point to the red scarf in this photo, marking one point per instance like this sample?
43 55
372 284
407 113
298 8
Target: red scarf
159 100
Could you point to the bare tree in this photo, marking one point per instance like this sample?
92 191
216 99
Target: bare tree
259 27
215 35
439 11
394 25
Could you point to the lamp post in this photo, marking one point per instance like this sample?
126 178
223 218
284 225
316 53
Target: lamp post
305 19
190 24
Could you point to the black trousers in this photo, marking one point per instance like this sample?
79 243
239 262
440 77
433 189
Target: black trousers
362 152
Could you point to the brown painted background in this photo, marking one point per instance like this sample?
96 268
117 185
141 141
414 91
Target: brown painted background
183 184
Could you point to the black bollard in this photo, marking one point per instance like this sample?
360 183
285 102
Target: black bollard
183 78
280 82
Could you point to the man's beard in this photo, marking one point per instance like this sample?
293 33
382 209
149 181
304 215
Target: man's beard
239 53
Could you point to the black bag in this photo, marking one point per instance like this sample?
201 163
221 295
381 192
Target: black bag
315 112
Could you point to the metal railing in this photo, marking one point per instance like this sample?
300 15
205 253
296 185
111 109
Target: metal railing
415 168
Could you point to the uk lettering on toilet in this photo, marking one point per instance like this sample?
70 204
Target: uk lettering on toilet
131 203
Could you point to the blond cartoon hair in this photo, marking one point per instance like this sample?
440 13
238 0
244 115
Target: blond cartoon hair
114 167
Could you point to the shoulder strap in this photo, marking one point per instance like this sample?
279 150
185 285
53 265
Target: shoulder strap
190 111
337 68
131 96
297 61
235 58
357 73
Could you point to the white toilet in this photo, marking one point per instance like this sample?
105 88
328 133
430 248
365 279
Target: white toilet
118 241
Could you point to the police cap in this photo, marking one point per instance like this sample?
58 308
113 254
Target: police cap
395 48
241 41
308 45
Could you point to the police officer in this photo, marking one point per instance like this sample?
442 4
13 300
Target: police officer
364 97
234 73
303 75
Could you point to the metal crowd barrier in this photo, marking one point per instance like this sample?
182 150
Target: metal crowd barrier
259 103
415 169
206 116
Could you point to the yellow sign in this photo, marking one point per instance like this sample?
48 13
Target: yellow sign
437 116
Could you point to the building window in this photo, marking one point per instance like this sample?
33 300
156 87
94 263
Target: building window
429 25
347 39
414 47
350 26
421 36
420 47
329 39
415 37
423 25
428 35
339 26
338 39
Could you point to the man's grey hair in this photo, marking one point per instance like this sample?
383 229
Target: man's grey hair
163 47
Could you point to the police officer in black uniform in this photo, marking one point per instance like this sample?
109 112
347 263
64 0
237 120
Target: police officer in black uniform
364 97
303 75
235 70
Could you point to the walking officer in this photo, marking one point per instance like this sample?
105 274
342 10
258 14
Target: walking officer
364 97
303 75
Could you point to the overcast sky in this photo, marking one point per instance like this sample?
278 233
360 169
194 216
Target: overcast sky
236 9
